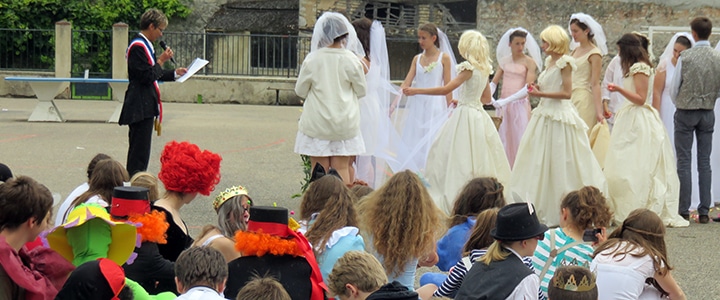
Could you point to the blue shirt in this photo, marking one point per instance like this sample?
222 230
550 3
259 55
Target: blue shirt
450 246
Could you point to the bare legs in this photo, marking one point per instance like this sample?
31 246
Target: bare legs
340 163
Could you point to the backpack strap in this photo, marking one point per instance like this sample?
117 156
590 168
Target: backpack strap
554 252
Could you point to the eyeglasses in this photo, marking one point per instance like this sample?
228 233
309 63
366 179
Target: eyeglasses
540 237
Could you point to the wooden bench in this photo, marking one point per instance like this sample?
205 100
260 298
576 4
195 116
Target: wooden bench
277 92
46 88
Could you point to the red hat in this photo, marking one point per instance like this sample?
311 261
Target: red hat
187 169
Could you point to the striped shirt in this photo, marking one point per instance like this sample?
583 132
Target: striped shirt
578 255
455 278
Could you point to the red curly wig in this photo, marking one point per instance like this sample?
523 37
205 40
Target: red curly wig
187 169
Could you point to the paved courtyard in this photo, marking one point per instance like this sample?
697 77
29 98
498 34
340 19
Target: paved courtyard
256 144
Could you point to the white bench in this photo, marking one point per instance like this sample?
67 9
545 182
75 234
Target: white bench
46 88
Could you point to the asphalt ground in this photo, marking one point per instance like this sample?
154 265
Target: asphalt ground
256 143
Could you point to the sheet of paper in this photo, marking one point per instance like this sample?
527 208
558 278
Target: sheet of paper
195 66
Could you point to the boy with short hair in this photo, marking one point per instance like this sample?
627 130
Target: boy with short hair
201 273
356 275
36 274
263 288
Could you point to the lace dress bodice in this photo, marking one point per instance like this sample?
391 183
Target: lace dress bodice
472 89
629 82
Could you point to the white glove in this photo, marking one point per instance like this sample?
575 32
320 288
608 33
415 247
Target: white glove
493 87
521 94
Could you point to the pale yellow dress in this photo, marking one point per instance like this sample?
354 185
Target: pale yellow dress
467 146
582 89
640 164
554 157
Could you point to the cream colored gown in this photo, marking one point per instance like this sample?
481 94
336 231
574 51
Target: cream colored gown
554 157
640 164
582 89
467 146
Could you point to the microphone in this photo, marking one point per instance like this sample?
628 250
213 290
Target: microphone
164 47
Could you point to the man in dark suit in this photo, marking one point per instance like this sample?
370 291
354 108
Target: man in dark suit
142 108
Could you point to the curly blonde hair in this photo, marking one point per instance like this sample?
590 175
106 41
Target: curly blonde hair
402 221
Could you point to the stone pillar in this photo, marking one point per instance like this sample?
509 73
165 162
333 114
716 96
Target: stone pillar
119 46
63 54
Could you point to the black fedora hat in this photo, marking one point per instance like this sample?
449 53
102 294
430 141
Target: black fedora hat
517 222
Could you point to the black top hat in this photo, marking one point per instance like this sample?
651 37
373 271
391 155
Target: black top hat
517 222
129 200
268 219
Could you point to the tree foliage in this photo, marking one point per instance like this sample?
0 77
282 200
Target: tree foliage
91 50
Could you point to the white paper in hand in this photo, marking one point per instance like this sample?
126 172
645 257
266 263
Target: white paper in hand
195 66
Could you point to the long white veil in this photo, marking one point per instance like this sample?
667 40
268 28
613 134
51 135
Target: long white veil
446 47
378 130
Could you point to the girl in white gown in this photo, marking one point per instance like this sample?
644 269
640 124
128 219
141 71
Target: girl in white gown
375 124
554 157
424 114
468 145
640 164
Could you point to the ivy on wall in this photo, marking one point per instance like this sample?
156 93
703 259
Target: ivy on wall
92 48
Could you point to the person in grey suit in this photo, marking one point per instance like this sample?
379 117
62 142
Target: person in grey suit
695 87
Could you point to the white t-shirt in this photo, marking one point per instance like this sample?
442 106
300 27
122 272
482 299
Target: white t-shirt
61 214
621 277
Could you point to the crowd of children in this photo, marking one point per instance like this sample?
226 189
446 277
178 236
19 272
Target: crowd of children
485 226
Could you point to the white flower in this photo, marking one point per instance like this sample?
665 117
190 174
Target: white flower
430 67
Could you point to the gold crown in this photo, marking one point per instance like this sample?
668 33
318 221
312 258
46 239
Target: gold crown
586 284
229 193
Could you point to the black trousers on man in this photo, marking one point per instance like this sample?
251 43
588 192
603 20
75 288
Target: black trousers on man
140 139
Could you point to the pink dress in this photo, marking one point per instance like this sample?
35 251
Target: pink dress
516 115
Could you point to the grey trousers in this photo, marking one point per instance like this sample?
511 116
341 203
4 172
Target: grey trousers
702 123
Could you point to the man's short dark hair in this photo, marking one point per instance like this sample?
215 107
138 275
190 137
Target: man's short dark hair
153 16
201 266
702 26
22 198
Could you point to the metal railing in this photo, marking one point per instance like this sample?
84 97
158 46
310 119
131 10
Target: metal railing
91 50
233 54
27 49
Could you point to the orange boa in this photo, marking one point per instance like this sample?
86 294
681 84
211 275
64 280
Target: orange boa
259 244
154 226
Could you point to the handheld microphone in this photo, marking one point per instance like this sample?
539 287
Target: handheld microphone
164 47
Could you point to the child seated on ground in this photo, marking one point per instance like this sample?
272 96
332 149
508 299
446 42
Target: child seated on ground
478 195
263 288
359 275
501 273
572 283
36 274
356 275
201 273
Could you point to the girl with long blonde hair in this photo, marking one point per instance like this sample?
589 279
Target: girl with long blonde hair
470 132
402 225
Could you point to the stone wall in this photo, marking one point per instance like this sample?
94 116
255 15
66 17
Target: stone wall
616 17
201 11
